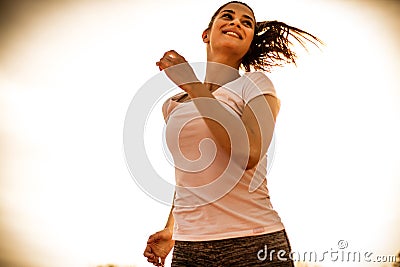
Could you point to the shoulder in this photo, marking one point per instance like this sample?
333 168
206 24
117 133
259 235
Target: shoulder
165 108
255 84
258 78
259 86
170 103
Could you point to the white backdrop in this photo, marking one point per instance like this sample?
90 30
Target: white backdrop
69 69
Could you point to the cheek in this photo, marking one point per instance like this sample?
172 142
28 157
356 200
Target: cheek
216 25
250 35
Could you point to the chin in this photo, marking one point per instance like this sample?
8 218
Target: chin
234 48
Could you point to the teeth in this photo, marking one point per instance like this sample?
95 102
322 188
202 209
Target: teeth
234 34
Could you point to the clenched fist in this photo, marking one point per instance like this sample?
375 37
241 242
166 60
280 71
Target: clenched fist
177 69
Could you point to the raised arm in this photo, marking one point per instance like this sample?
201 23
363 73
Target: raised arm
251 133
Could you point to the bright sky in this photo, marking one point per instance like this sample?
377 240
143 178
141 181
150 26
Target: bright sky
69 70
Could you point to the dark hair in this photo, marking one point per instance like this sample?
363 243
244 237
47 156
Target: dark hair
221 7
270 45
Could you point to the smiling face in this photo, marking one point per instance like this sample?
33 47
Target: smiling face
231 32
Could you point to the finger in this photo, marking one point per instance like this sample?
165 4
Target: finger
148 254
151 261
150 240
164 63
160 262
168 59
171 54
148 249
153 238
158 64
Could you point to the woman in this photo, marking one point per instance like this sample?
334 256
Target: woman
222 215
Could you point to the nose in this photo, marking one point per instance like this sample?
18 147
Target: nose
235 22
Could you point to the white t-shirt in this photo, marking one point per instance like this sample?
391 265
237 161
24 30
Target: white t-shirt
215 197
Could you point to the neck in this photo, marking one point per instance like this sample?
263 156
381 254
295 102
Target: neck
224 58
218 74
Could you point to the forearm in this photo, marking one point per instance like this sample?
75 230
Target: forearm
171 221
225 127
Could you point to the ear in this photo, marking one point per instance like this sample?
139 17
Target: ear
206 36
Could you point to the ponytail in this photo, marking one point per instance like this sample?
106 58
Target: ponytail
271 45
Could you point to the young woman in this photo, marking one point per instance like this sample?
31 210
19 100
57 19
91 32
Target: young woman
218 132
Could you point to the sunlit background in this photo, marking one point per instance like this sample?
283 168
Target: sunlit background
69 69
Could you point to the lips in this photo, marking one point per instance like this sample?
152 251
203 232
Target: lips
233 32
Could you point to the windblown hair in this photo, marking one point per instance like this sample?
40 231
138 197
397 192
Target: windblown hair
271 45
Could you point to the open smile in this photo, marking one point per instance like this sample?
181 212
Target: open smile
233 34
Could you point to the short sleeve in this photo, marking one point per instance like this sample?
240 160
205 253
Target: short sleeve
165 107
257 83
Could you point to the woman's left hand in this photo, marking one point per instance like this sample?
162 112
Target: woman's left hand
177 69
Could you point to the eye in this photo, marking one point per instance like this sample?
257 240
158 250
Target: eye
248 23
227 15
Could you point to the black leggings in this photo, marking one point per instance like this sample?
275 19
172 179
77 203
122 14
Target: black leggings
263 250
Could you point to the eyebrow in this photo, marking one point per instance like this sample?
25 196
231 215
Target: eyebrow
233 12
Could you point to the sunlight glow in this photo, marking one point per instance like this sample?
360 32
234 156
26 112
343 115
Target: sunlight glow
68 74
